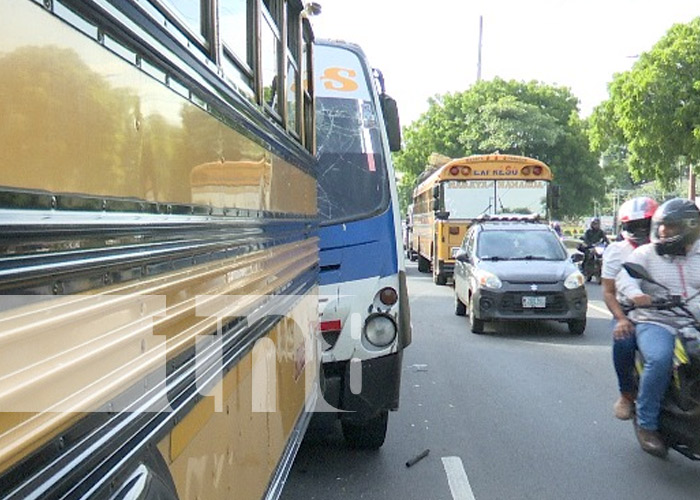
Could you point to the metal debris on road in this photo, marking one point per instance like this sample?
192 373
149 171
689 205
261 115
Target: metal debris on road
417 458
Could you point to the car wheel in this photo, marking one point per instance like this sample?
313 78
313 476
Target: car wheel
460 307
368 435
577 326
477 325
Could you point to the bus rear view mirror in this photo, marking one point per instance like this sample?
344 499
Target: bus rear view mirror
391 121
442 215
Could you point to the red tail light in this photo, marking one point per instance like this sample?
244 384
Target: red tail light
330 326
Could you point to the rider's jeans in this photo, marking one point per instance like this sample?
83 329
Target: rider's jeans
623 353
656 344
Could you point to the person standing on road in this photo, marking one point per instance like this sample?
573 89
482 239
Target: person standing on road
635 218
672 259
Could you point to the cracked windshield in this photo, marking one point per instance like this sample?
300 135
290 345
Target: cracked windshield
352 176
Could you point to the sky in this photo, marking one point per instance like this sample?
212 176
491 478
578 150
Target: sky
430 47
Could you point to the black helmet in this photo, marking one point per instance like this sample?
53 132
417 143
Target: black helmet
681 219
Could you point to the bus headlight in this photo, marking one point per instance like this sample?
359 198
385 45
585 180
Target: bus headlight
574 280
380 330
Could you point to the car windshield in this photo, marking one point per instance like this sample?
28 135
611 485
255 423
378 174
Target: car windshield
519 245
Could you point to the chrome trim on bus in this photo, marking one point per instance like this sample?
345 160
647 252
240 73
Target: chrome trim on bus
84 460
284 467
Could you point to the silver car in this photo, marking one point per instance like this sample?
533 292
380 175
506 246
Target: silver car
516 269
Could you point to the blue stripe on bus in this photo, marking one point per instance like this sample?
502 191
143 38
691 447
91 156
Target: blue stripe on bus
359 249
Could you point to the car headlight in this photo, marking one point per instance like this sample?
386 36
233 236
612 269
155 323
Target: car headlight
485 279
380 330
574 280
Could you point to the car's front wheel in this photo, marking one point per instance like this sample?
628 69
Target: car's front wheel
577 326
477 325
460 307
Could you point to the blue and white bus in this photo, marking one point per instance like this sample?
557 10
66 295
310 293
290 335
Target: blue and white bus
365 318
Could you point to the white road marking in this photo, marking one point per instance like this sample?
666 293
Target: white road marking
457 478
599 309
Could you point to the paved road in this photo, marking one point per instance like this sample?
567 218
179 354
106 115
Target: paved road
523 412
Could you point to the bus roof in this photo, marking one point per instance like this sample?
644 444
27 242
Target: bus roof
486 167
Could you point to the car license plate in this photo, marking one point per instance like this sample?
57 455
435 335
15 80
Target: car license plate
534 302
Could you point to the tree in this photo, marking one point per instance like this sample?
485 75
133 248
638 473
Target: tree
524 118
654 109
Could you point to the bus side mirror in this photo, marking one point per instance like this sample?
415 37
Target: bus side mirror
435 205
444 215
391 121
436 191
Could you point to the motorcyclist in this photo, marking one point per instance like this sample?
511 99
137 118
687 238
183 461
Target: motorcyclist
672 259
557 229
635 218
593 235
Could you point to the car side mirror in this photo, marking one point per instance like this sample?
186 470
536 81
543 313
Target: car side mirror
462 256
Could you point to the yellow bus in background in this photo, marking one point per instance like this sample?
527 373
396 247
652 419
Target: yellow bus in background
456 192
158 247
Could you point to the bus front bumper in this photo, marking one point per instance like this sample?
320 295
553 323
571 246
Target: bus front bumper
379 390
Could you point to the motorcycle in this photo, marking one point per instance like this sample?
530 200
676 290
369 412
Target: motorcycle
679 422
592 264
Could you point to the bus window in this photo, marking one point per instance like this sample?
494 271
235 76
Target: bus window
353 180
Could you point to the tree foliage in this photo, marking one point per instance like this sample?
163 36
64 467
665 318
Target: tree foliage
654 109
524 118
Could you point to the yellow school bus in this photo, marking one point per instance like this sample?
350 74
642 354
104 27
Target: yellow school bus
456 192
158 247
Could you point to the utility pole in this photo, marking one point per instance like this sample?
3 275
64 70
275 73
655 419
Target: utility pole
478 64
691 183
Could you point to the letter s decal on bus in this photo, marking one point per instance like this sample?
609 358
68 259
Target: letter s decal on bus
339 79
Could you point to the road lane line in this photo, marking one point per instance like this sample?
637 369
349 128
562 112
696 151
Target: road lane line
599 309
457 478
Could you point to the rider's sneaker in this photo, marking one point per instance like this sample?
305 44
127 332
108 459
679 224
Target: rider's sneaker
651 441
624 407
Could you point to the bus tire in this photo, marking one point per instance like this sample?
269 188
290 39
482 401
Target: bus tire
440 279
423 264
368 435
